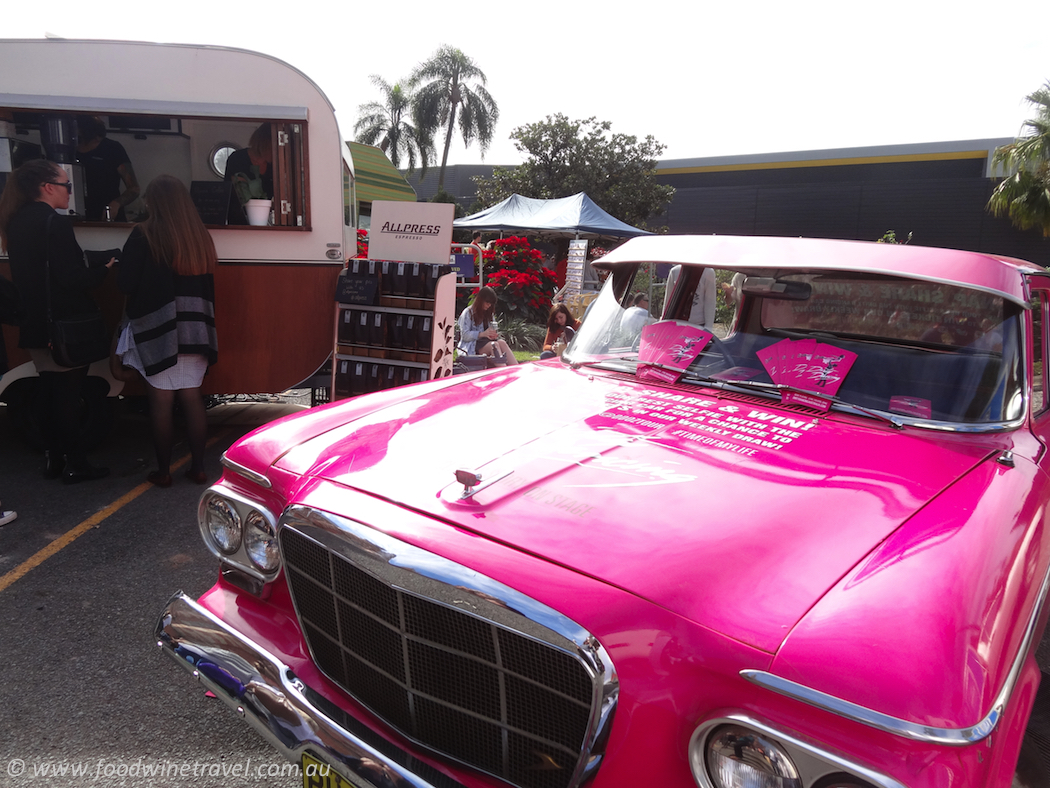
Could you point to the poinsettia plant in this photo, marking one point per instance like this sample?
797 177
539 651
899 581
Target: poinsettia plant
515 271
362 244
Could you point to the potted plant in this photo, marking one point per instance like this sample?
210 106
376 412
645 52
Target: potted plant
252 196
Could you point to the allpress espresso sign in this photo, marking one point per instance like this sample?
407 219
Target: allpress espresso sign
417 232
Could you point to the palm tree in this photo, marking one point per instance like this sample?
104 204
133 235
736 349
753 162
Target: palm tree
442 89
386 123
1024 194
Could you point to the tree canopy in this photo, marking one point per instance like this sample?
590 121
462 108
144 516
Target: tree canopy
564 157
387 124
1024 194
447 85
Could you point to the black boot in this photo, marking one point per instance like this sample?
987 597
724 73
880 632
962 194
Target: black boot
53 464
82 471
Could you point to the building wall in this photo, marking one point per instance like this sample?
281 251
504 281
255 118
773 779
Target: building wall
935 191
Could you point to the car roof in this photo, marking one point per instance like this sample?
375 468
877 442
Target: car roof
760 254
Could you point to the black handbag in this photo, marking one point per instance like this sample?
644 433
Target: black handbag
78 341
75 341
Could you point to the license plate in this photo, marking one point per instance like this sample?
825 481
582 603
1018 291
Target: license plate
320 775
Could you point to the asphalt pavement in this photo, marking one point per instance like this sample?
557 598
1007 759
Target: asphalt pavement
87 698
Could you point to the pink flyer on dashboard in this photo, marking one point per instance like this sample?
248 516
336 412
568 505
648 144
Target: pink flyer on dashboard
807 364
668 348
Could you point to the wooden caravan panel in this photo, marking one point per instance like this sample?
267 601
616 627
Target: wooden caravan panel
273 330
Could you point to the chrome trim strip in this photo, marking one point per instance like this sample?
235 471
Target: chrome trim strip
265 693
247 473
953 737
439 580
812 761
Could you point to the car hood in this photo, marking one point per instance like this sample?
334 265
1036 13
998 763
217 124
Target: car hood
730 510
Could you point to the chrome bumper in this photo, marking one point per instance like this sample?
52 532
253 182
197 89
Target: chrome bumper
265 693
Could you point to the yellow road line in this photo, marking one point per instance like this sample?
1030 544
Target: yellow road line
69 537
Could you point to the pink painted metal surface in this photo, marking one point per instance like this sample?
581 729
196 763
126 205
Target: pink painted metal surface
698 532
990 273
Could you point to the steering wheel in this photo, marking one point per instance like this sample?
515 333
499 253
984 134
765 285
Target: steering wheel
720 346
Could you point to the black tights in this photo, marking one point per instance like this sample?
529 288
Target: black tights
59 413
162 418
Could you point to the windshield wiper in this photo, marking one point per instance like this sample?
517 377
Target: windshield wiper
598 362
777 388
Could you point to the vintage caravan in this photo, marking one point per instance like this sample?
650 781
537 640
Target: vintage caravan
180 110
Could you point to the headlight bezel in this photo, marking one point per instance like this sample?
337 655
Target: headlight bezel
257 524
221 507
757 748
245 509
815 764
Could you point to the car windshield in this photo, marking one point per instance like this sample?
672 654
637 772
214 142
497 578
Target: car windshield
916 351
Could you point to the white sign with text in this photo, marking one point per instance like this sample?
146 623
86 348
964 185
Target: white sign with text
418 232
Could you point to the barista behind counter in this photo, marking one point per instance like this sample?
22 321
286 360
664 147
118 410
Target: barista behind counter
106 165
251 171
251 168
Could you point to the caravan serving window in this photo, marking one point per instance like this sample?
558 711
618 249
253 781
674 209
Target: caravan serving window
186 148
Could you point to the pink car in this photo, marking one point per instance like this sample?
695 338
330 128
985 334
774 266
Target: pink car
807 549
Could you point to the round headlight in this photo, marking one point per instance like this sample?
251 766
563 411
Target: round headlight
737 757
260 542
224 525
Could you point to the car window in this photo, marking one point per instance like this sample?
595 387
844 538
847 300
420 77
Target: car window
1038 304
926 351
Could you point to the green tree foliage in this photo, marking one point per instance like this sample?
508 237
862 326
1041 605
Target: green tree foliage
444 197
565 157
386 125
890 237
450 88
1024 194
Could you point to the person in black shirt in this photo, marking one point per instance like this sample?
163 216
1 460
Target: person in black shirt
106 165
47 267
254 163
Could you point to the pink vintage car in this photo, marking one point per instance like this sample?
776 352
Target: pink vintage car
805 550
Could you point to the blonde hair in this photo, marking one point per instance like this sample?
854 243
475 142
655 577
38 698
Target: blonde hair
174 230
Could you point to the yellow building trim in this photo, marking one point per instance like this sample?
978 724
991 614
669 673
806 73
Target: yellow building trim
787 165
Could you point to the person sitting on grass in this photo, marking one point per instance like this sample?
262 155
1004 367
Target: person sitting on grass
477 330
560 324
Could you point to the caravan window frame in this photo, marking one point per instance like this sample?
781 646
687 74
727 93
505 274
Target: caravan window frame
290 140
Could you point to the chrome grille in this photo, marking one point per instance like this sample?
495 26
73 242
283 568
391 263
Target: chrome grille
463 686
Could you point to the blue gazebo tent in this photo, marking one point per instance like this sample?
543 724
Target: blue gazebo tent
568 217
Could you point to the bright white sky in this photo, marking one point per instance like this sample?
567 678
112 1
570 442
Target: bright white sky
705 79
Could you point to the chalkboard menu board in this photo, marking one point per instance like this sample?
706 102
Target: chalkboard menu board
216 202
357 288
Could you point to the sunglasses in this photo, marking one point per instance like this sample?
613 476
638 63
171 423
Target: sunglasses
67 184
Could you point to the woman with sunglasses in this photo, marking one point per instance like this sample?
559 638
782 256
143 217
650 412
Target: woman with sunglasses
37 191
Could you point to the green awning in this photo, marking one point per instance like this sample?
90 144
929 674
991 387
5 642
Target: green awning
376 177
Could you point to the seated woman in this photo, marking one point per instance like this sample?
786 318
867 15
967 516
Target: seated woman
476 334
559 319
